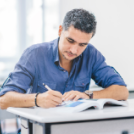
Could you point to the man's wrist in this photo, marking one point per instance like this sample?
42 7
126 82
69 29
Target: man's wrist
88 97
36 100
89 93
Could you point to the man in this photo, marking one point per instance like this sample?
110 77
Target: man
65 65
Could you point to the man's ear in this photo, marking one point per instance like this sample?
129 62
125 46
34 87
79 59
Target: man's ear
60 30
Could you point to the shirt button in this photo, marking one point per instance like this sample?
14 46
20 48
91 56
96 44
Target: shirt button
64 71
66 85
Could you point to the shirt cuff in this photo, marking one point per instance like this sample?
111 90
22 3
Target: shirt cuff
6 89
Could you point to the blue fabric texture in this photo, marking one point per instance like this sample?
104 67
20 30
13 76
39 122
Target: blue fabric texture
40 64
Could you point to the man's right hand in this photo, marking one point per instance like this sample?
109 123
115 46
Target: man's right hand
49 99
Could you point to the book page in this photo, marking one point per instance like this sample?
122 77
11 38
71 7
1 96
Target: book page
102 102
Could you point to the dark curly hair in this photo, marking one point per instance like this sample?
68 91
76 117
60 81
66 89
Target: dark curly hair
81 20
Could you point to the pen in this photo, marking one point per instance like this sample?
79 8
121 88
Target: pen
47 87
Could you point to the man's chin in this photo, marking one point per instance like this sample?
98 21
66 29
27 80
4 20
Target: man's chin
69 58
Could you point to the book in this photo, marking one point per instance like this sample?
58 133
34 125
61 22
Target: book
83 104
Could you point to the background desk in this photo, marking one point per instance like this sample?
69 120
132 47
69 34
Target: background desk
6 115
110 120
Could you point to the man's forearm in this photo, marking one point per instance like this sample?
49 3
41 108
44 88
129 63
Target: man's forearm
14 99
115 92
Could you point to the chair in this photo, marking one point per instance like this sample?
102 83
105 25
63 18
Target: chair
0 128
6 115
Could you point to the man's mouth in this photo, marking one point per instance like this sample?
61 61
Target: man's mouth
70 54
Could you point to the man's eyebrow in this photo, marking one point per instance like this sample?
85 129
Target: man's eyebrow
75 41
71 39
83 43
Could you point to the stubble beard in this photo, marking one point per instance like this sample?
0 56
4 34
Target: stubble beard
64 57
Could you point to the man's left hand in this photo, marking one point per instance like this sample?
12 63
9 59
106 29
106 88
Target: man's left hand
74 95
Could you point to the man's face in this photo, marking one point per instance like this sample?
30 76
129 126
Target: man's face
72 42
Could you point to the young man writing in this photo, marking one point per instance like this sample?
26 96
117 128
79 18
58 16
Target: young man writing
66 65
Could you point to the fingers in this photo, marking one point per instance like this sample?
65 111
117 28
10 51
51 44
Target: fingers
49 99
67 93
56 99
53 104
66 96
77 97
53 98
72 95
49 104
69 97
55 93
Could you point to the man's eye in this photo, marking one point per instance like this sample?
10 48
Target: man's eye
82 45
71 41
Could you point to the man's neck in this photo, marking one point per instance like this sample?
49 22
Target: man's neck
67 65
64 63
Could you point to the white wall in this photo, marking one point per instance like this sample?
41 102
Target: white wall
115 31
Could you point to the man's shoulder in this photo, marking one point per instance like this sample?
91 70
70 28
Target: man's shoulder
90 49
93 53
40 47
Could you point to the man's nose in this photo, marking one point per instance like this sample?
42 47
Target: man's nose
74 49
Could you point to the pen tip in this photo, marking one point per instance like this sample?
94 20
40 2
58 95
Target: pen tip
43 84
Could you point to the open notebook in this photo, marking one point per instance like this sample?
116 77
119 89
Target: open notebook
81 105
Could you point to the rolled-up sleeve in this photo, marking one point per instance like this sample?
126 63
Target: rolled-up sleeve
103 74
22 76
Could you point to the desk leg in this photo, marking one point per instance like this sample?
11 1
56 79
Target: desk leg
46 128
41 128
26 126
30 126
0 128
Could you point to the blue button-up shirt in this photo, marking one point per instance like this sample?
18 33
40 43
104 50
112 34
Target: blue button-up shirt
40 64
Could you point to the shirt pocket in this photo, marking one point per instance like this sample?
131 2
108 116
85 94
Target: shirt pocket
41 87
82 84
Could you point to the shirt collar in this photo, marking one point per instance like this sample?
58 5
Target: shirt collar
55 50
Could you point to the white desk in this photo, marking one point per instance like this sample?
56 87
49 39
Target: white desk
110 120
